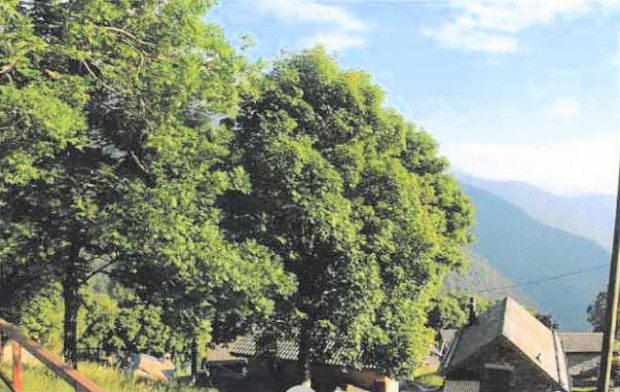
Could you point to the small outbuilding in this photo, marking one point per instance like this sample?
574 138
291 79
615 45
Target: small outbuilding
583 351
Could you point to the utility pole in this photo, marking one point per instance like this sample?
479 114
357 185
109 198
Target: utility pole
611 312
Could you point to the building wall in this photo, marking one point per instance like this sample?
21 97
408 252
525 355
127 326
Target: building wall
525 375
582 363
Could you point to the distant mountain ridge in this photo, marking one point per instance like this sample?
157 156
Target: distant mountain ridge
522 248
589 216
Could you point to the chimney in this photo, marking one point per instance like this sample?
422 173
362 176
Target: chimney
473 316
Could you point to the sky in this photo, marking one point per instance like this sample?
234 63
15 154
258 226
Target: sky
525 90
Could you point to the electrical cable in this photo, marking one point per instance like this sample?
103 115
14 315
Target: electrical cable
542 280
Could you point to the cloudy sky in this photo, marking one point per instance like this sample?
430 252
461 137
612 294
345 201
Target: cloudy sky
512 89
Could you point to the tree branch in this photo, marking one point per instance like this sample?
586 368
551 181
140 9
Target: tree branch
97 271
124 32
138 162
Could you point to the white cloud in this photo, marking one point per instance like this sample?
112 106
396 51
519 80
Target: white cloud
495 23
565 107
452 37
339 29
572 166
334 40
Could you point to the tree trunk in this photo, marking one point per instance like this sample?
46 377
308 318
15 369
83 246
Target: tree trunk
71 299
303 361
194 358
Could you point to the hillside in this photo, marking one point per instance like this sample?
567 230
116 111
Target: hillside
480 273
522 249
590 216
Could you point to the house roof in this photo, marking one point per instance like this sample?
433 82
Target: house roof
461 386
582 342
510 321
221 352
286 350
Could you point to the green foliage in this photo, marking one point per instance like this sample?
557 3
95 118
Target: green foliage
119 324
112 160
596 312
42 317
124 325
356 203
451 311
431 379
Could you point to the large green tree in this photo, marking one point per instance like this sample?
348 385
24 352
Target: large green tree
357 204
112 159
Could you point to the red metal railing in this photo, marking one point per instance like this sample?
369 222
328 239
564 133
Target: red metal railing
53 362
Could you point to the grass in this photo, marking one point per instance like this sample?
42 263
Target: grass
432 380
38 379
428 375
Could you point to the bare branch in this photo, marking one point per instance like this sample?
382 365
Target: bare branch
138 162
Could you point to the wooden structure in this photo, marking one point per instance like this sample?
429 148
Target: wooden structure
611 310
51 361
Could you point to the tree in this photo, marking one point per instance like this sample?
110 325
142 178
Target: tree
547 320
115 322
451 311
112 159
596 312
356 203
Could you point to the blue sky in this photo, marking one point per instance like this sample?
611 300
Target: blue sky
512 89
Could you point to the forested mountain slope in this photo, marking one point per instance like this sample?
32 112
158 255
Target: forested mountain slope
523 249
479 276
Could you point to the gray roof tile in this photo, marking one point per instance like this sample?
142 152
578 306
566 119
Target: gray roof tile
582 342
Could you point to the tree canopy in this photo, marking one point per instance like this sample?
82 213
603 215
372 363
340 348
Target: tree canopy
596 312
451 310
112 160
357 204
137 143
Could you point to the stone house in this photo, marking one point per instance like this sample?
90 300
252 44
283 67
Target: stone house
506 349
583 351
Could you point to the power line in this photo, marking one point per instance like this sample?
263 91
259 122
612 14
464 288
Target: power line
543 280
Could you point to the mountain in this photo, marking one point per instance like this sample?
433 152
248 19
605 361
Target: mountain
590 216
480 274
524 249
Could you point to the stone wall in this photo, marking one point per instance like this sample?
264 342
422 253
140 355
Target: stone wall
580 364
525 375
